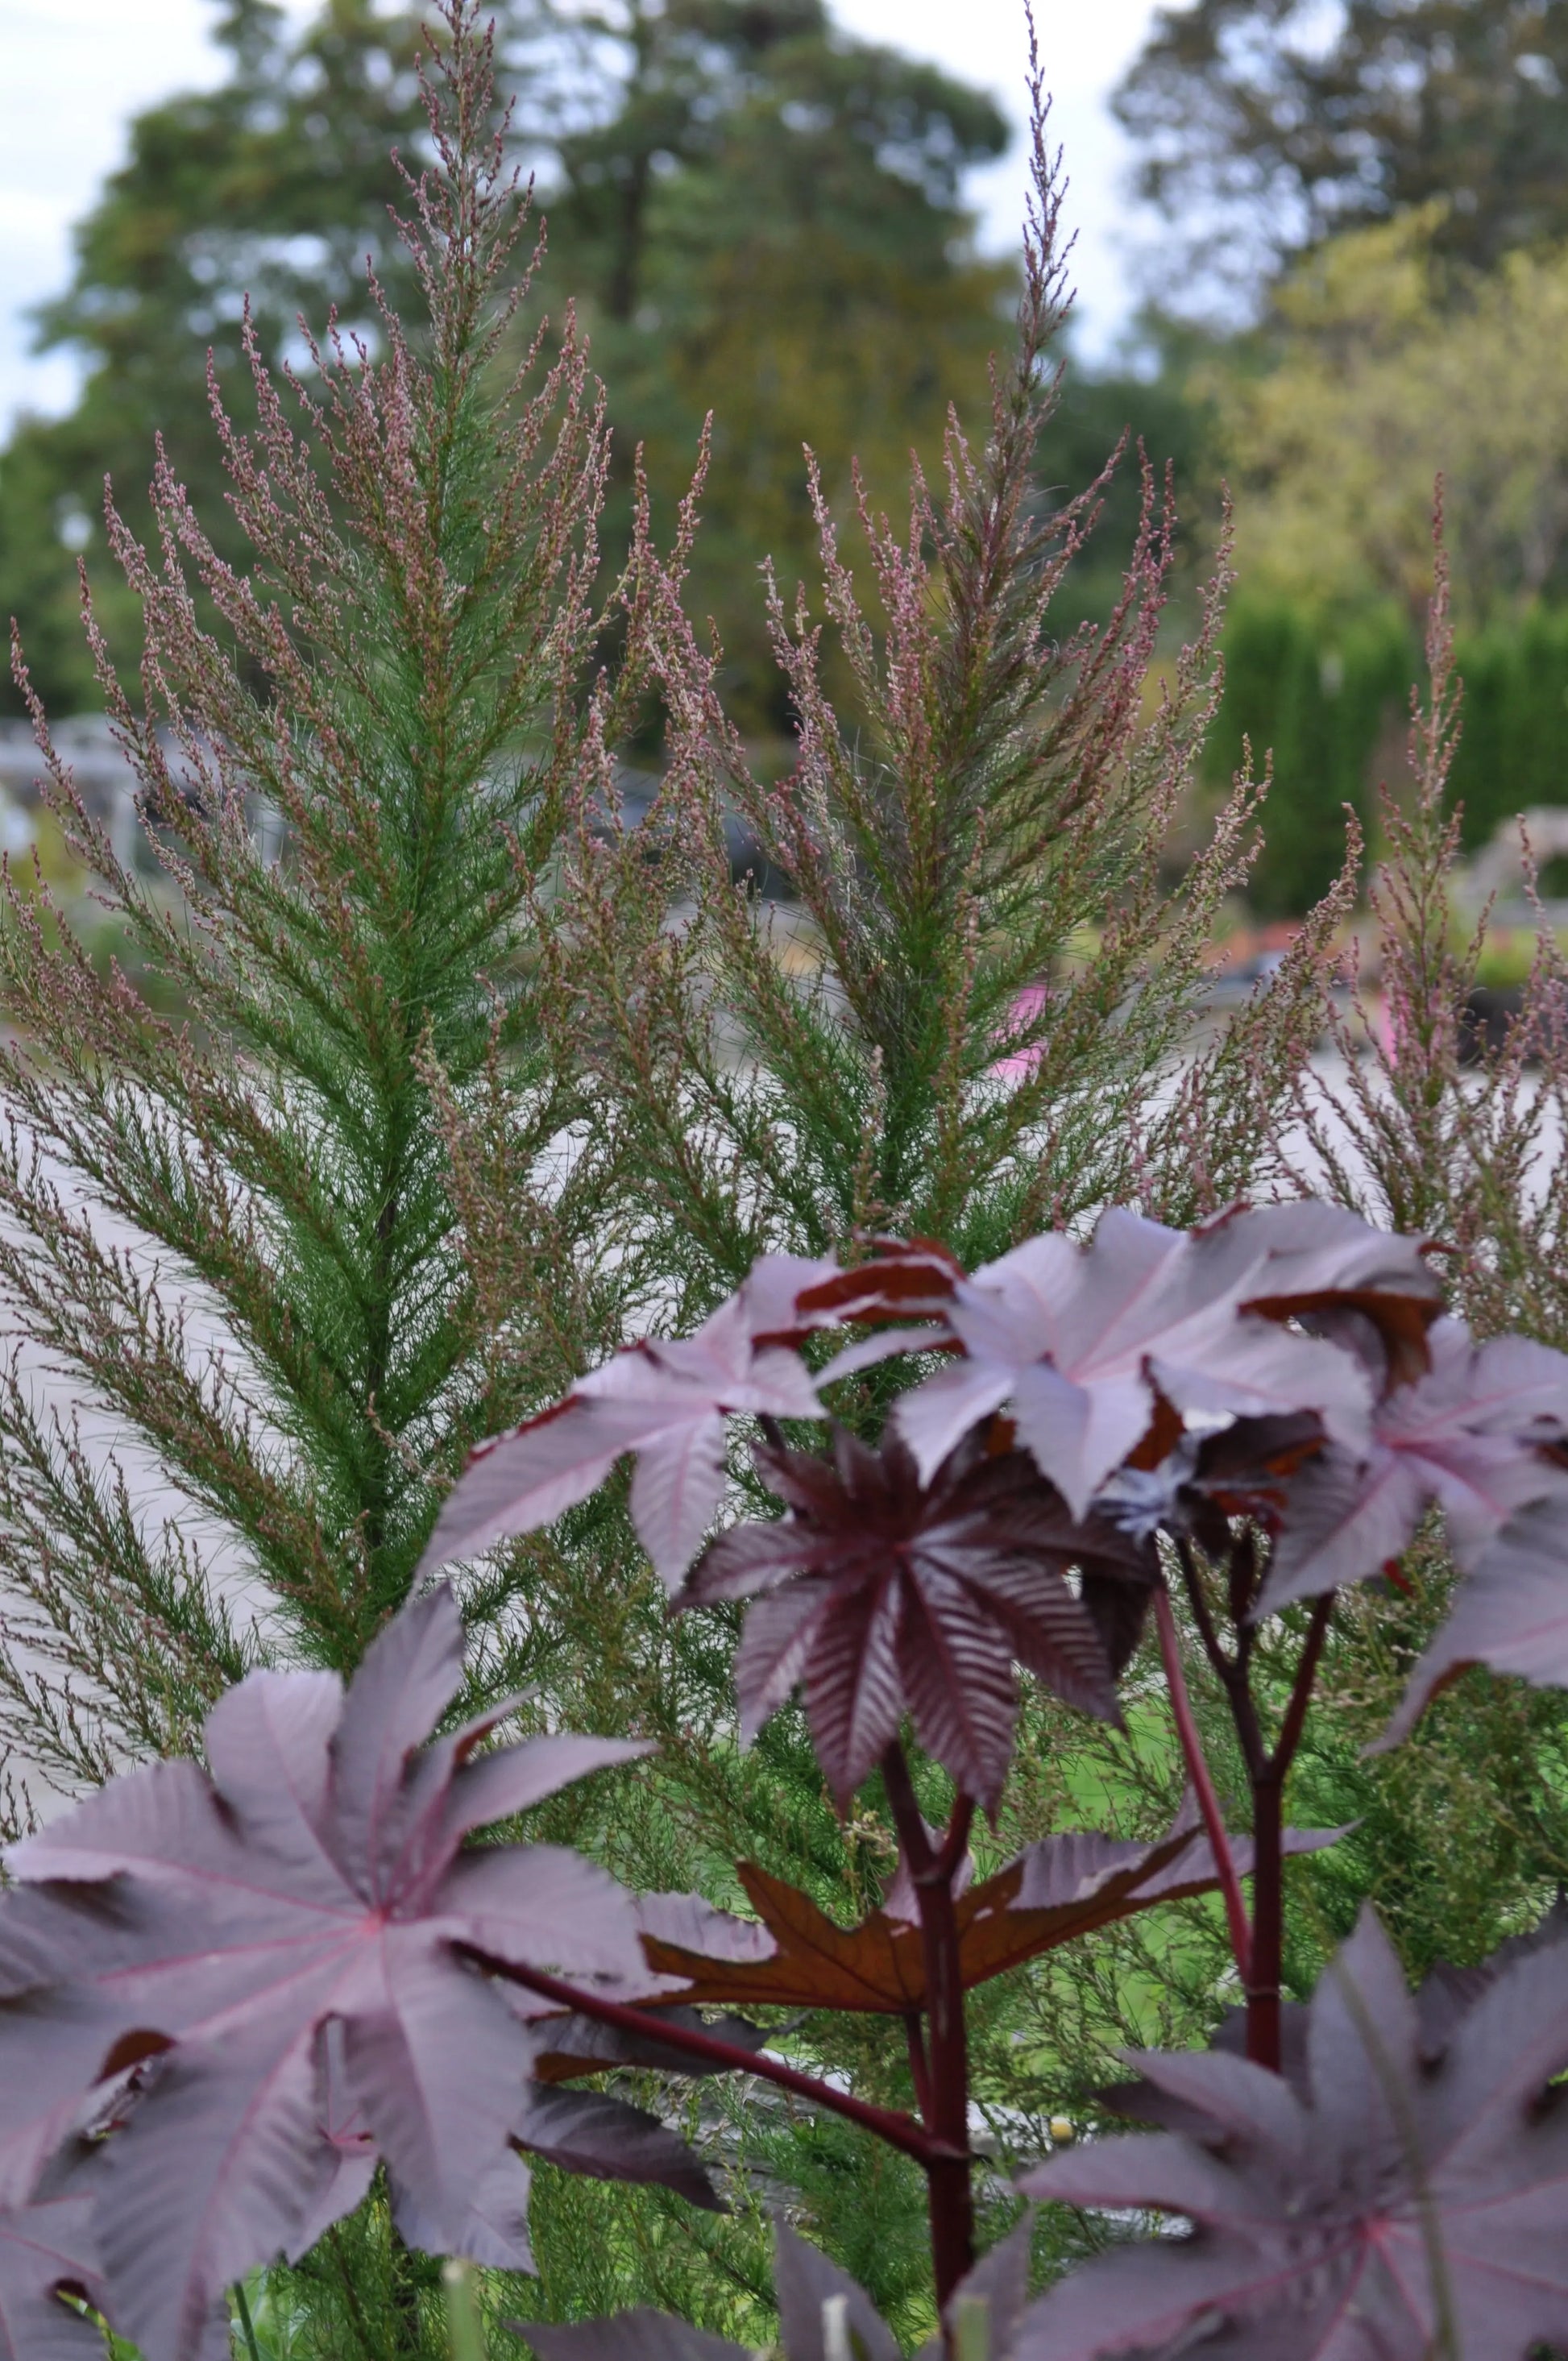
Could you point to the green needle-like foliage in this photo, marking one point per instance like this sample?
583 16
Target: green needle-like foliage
418 1079
979 841
242 1228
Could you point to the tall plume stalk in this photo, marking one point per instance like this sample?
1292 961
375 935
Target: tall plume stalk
974 1018
1434 1125
285 1302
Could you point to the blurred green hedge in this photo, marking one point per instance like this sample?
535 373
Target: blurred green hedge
1331 700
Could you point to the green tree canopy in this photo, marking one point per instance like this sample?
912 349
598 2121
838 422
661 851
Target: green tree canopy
1385 365
1245 112
764 218
760 216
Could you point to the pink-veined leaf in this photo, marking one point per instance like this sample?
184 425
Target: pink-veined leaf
490 2226
1466 1436
885 1596
347 2156
314 1881
1509 1613
664 1401
1076 1343
1408 2201
43 2248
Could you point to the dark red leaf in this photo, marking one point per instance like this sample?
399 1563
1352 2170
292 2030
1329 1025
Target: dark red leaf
602 2137
572 2045
901 1280
889 1595
794 1956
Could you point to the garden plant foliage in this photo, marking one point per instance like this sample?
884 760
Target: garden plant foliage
445 1118
231 1992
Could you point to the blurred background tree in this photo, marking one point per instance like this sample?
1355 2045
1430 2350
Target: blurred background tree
1385 363
1367 208
759 216
763 219
1279 122
275 184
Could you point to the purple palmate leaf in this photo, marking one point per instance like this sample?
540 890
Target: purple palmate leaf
314 1881
1468 1437
883 1596
665 1401
44 2248
590 2132
1406 2203
1510 1612
1077 1342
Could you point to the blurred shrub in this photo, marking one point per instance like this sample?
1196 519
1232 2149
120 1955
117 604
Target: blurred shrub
1329 701
1513 751
1383 364
1323 706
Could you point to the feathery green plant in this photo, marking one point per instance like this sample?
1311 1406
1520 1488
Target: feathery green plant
976 1016
1417 1124
242 1231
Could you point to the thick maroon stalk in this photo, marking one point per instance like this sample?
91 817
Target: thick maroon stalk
919 2074
899 2131
1267 1920
1263 1974
1198 1772
949 2188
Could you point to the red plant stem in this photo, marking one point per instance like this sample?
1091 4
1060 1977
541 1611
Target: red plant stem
919 2072
899 2131
1290 1729
950 2188
1198 1772
955 1844
1262 1973
1263 1977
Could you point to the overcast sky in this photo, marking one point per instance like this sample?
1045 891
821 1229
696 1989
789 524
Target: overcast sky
73 73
